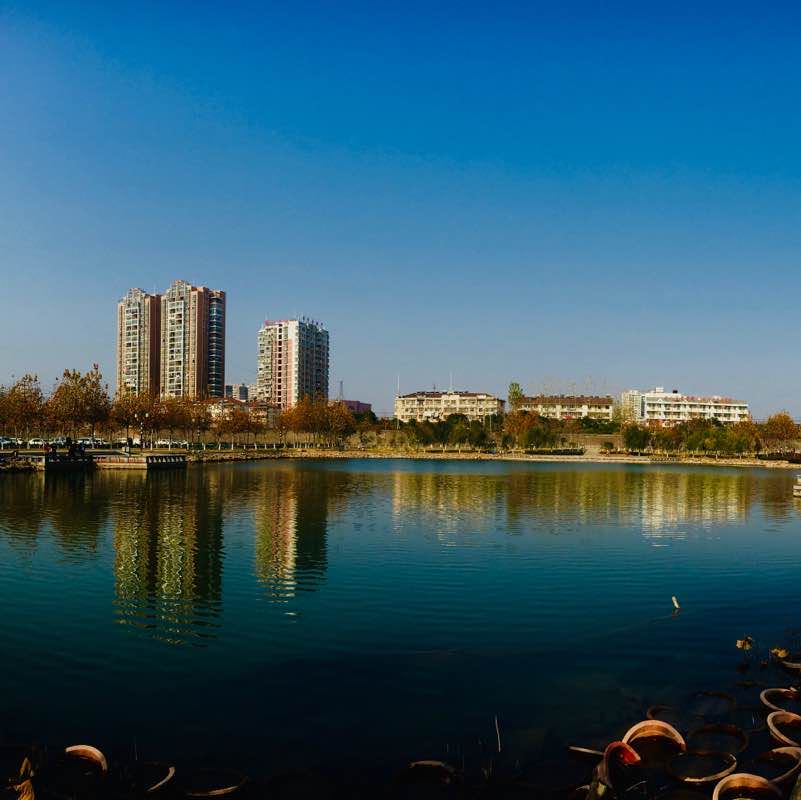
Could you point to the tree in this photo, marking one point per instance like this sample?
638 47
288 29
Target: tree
779 431
94 398
517 424
515 396
340 422
129 408
151 419
65 404
174 415
200 415
23 404
636 437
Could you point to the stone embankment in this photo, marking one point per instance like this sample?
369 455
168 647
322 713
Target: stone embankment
211 456
13 466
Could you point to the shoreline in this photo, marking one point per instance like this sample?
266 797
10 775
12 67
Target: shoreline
322 454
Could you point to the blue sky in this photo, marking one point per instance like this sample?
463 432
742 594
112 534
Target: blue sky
570 195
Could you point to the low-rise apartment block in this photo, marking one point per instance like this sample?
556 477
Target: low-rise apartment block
357 406
434 406
569 406
658 407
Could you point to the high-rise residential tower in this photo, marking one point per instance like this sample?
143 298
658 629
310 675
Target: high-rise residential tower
216 343
292 361
138 339
192 341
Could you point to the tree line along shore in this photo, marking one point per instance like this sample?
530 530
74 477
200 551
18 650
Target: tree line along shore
80 404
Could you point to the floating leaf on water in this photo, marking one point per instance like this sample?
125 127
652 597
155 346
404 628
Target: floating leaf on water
746 643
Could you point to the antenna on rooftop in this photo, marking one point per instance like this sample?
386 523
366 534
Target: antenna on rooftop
399 384
341 391
451 386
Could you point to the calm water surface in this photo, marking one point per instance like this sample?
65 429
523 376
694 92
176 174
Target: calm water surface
284 613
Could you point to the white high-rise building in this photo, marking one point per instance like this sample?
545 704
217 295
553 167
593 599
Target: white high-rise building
292 362
659 407
138 330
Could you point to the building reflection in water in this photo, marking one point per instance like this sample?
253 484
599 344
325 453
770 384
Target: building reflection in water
291 517
168 541
168 528
659 501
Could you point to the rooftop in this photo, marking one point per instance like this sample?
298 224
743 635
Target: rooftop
449 393
569 399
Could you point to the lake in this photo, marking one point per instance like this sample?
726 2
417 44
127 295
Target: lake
278 614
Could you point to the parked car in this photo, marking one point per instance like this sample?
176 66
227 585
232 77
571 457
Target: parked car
36 442
162 442
4 442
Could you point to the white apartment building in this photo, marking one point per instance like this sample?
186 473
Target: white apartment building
658 407
435 406
569 406
292 361
138 331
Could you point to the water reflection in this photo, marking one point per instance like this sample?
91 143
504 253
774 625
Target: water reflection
292 509
168 545
658 500
169 530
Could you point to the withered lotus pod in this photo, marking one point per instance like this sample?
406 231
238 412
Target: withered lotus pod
654 729
157 777
88 753
792 666
214 783
698 768
718 730
682 793
432 770
769 697
743 784
712 704
793 757
615 767
776 720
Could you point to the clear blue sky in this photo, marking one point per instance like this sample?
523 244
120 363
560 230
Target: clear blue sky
540 192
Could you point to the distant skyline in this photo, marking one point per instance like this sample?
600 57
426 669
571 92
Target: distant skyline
541 193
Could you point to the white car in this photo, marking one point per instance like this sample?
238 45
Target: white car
36 442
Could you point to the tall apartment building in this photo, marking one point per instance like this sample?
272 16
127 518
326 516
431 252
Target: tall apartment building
292 361
192 341
569 407
658 407
434 406
138 341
